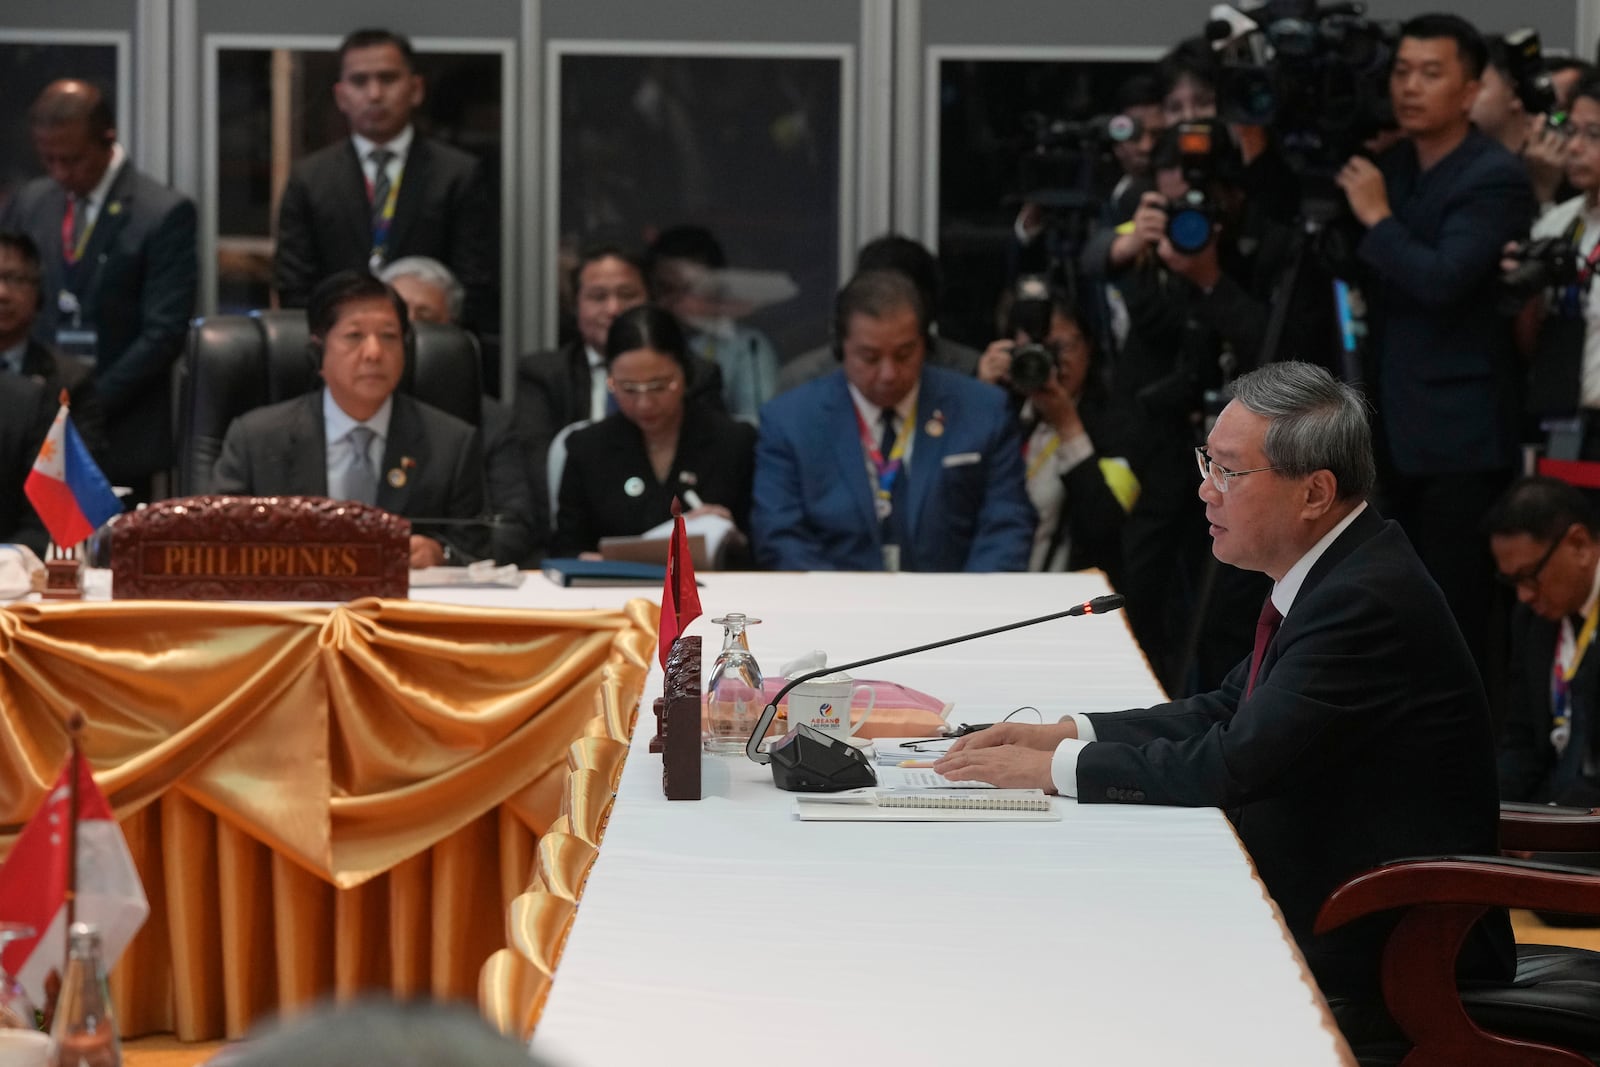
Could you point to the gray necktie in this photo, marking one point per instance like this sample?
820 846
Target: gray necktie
380 185
361 480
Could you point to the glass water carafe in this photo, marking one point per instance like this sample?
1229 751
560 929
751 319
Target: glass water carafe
734 697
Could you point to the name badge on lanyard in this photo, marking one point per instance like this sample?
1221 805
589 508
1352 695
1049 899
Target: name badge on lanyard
72 338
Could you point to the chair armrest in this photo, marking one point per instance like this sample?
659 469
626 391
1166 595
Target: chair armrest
1485 881
1546 828
1443 898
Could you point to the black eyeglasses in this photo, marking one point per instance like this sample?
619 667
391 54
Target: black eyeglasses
1529 576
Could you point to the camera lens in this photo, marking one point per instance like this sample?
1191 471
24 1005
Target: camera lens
1189 229
1030 368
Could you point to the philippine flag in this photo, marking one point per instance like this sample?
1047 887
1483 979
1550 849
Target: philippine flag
33 883
68 491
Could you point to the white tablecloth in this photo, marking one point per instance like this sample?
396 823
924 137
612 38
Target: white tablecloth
725 931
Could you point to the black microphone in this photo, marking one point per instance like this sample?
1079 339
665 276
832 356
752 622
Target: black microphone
806 760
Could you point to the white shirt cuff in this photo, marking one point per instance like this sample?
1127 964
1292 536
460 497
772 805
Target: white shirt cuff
1071 452
1064 766
1085 727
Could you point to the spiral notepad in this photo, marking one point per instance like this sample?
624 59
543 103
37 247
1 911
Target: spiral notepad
965 799
928 805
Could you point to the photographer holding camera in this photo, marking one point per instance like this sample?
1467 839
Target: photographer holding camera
1081 496
1437 209
1515 107
1552 278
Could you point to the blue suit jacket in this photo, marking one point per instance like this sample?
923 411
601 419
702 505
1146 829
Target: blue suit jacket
1447 371
967 508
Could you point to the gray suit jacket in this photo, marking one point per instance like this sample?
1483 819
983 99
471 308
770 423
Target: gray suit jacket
281 450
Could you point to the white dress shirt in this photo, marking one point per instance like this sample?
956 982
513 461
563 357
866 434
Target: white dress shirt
91 204
340 455
400 147
1064 763
597 384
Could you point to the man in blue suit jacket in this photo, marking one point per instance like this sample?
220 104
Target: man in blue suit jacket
889 464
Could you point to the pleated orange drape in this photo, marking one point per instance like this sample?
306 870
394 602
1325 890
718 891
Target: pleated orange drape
318 800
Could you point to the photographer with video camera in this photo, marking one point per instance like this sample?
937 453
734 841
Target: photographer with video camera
1517 106
1437 209
1550 278
1081 490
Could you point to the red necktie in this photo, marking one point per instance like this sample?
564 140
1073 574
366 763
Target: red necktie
1266 630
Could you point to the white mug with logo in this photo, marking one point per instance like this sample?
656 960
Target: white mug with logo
824 704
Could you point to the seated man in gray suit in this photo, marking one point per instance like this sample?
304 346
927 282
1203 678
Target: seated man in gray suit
358 439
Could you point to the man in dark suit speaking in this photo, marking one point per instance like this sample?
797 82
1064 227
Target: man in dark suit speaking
118 272
358 439
384 192
1356 733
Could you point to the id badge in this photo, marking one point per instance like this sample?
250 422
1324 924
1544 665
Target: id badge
891 558
78 343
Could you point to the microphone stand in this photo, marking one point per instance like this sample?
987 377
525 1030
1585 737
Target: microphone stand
803 736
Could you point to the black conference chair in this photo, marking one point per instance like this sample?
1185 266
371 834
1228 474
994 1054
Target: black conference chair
236 363
1547 1016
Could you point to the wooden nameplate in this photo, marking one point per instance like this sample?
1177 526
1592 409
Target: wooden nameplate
260 548
681 738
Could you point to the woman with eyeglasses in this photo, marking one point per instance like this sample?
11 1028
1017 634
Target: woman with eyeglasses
622 473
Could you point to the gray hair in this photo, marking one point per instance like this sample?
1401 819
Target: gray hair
375 1030
433 272
1316 423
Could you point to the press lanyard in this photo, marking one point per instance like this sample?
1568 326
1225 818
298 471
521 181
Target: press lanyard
1036 462
380 228
69 251
885 472
1571 298
1561 677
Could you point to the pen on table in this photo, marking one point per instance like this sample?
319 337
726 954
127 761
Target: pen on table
916 764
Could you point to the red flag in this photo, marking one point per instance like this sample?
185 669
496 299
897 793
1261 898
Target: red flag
680 597
33 882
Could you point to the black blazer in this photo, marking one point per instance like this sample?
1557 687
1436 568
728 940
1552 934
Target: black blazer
715 458
26 411
1530 769
281 450
1367 739
1448 376
136 282
442 210
553 391
56 372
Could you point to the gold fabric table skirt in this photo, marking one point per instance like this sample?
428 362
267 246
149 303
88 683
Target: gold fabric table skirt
324 800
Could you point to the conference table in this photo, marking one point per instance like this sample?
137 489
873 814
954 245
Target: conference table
726 931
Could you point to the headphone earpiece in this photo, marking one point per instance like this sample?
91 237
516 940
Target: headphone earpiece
314 355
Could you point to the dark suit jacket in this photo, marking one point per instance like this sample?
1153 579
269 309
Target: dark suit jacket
967 507
553 391
26 411
1530 769
442 210
136 282
281 450
1367 739
715 458
1447 372
43 364
515 487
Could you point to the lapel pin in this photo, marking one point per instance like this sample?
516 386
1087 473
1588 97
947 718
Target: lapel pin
633 487
397 476
935 425
114 208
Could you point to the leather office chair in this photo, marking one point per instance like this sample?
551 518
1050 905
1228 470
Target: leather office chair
236 363
1548 1015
